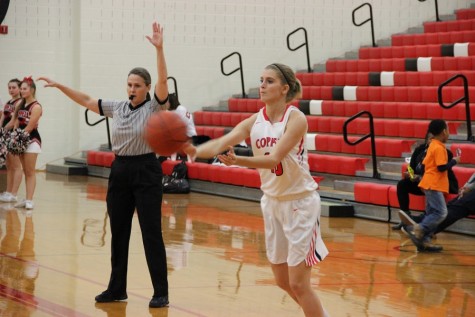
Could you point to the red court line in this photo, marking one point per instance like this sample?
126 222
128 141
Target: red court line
41 304
72 312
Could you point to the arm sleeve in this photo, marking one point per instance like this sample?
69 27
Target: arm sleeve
443 168
106 107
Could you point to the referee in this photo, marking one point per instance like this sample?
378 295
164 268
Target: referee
135 181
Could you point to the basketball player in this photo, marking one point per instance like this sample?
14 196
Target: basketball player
13 165
135 181
290 204
27 117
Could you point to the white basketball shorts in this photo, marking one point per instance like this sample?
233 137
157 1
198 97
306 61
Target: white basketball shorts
292 230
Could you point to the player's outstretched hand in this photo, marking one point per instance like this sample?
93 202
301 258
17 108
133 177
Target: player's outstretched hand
190 150
157 35
229 158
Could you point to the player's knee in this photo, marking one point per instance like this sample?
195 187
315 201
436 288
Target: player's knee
299 288
283 284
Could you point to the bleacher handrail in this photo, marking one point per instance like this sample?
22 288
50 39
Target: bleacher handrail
466 98
175 87
305 43
371 135
232 72
109 143
369 19
436 10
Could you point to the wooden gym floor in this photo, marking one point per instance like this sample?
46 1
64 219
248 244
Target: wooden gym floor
56 259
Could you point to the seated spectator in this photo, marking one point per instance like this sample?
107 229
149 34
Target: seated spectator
458 208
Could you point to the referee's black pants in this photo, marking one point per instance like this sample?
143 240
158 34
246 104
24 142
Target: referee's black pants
136 182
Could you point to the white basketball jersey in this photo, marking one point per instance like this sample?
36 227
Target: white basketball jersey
291 177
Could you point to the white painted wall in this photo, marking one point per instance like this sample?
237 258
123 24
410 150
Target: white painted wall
92 44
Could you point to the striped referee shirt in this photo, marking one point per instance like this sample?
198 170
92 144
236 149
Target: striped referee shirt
128 125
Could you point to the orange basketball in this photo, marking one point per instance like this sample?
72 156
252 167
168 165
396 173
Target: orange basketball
165 132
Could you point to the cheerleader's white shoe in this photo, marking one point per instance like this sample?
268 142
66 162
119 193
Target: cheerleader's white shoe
20 204
29 204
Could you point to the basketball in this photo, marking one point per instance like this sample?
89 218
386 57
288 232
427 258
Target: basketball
165 133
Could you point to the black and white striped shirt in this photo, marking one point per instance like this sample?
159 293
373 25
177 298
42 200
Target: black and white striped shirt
128 125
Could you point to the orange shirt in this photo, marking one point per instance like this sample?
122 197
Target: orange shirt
433 179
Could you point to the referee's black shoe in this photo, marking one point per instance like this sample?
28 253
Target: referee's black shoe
107 297
158 301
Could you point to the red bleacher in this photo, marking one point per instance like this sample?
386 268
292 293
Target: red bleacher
221 174
468 152
415 110
382 127
402 105
400 78
227 119
402 110
398 64
99 158
386 194
433 38
465 14
244 105
331 124
402 94
336 144
449 26
410 51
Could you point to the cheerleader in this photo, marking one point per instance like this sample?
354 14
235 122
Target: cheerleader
27 116
12 163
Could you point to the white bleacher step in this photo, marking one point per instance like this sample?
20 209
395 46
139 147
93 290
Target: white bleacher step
77 158
320 67
104 147
415 30
384 175
253 93
447 17
383 42
63 168
351 55
391 167
98 171
221 108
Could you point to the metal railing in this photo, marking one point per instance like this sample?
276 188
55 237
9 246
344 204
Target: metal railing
436 10
305 43
175 87
369 19
465 98
232 72
364 137
96 123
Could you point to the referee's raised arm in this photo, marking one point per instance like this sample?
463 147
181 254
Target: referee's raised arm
75 95
161 87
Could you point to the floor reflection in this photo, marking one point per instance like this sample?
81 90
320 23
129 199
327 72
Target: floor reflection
18 267
217 262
